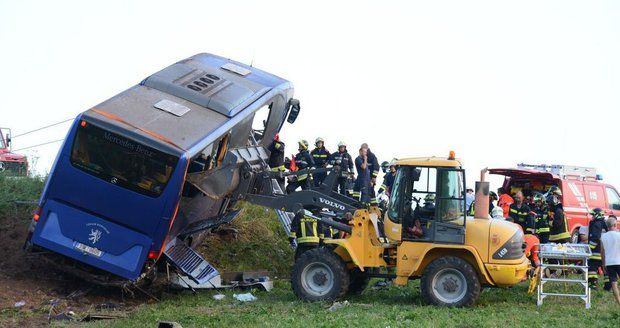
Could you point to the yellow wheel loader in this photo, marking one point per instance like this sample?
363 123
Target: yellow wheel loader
427 234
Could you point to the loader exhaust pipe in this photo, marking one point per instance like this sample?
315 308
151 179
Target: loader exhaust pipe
481 208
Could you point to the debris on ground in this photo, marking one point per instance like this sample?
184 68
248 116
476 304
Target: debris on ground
338 305
20 304
218 297
168 324
247 297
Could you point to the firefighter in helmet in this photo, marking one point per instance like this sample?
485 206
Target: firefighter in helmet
541 217
596 228
276 158
303 161
305 232
388 178
343 160
320 155
559 226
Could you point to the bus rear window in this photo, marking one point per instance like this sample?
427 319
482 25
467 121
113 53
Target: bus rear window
121 161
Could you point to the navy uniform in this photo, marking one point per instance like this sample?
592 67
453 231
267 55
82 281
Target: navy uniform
320 155
305 231
276 158
345 162
373 166
522 216
303 160
596 228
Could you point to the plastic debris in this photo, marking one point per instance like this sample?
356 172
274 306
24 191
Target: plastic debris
218 297
168 324
338 305
20 304
247 297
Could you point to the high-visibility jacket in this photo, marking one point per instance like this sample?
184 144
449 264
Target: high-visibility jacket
305 229
276 156
522 216
531 249
343 160
388 181
559 227
320 157
373 164
504 202
595 230
303 160
541 221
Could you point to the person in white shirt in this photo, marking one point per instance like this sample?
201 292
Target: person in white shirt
610 255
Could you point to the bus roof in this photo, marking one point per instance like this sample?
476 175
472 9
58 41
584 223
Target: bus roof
190 103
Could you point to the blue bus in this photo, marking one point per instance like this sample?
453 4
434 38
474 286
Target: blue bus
140 176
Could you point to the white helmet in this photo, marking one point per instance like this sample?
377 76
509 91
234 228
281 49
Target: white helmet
319 139
342 144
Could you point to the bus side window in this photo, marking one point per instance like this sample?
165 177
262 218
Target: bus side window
259 123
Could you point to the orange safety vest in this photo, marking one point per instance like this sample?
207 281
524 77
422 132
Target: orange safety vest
504 202
531 248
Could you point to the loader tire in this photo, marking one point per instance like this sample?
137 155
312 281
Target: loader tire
450 281
358 281
320 275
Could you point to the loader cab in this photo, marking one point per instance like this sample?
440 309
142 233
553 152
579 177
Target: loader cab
428 202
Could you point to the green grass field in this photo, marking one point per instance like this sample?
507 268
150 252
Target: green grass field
261 244
389 307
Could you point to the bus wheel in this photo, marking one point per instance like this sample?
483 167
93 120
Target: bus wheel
450 281
358 282
319 274
574 237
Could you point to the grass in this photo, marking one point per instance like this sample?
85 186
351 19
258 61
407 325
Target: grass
389 307
261 244
18 189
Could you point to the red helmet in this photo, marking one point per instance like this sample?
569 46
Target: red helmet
276 137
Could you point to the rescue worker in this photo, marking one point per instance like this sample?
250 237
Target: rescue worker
373 166
303 160
559 227
541 217
305 231
596 228
276 158
519 213
342 159
362 183
504 201
385 166
320 155
388 179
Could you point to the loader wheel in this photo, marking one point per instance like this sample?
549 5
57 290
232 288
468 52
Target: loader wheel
319 274
450 281
358 282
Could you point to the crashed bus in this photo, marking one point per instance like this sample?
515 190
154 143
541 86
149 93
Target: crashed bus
142 175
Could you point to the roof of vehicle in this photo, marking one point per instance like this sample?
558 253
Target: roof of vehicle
199 98
523 173
429 161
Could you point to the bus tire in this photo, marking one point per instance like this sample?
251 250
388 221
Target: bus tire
320 275
450 281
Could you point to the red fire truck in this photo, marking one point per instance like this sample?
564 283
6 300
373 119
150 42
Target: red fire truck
11 163
582 189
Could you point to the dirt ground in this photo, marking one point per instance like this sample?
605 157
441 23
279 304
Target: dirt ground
47 291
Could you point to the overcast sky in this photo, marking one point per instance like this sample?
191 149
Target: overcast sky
498 82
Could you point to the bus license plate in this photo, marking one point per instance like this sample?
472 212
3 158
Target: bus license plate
88 249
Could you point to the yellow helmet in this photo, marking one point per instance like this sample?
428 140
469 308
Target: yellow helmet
303 143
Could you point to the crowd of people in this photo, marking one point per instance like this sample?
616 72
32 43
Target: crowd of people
539 215
359 184
542 215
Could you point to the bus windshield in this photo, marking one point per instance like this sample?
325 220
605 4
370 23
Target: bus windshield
121 161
